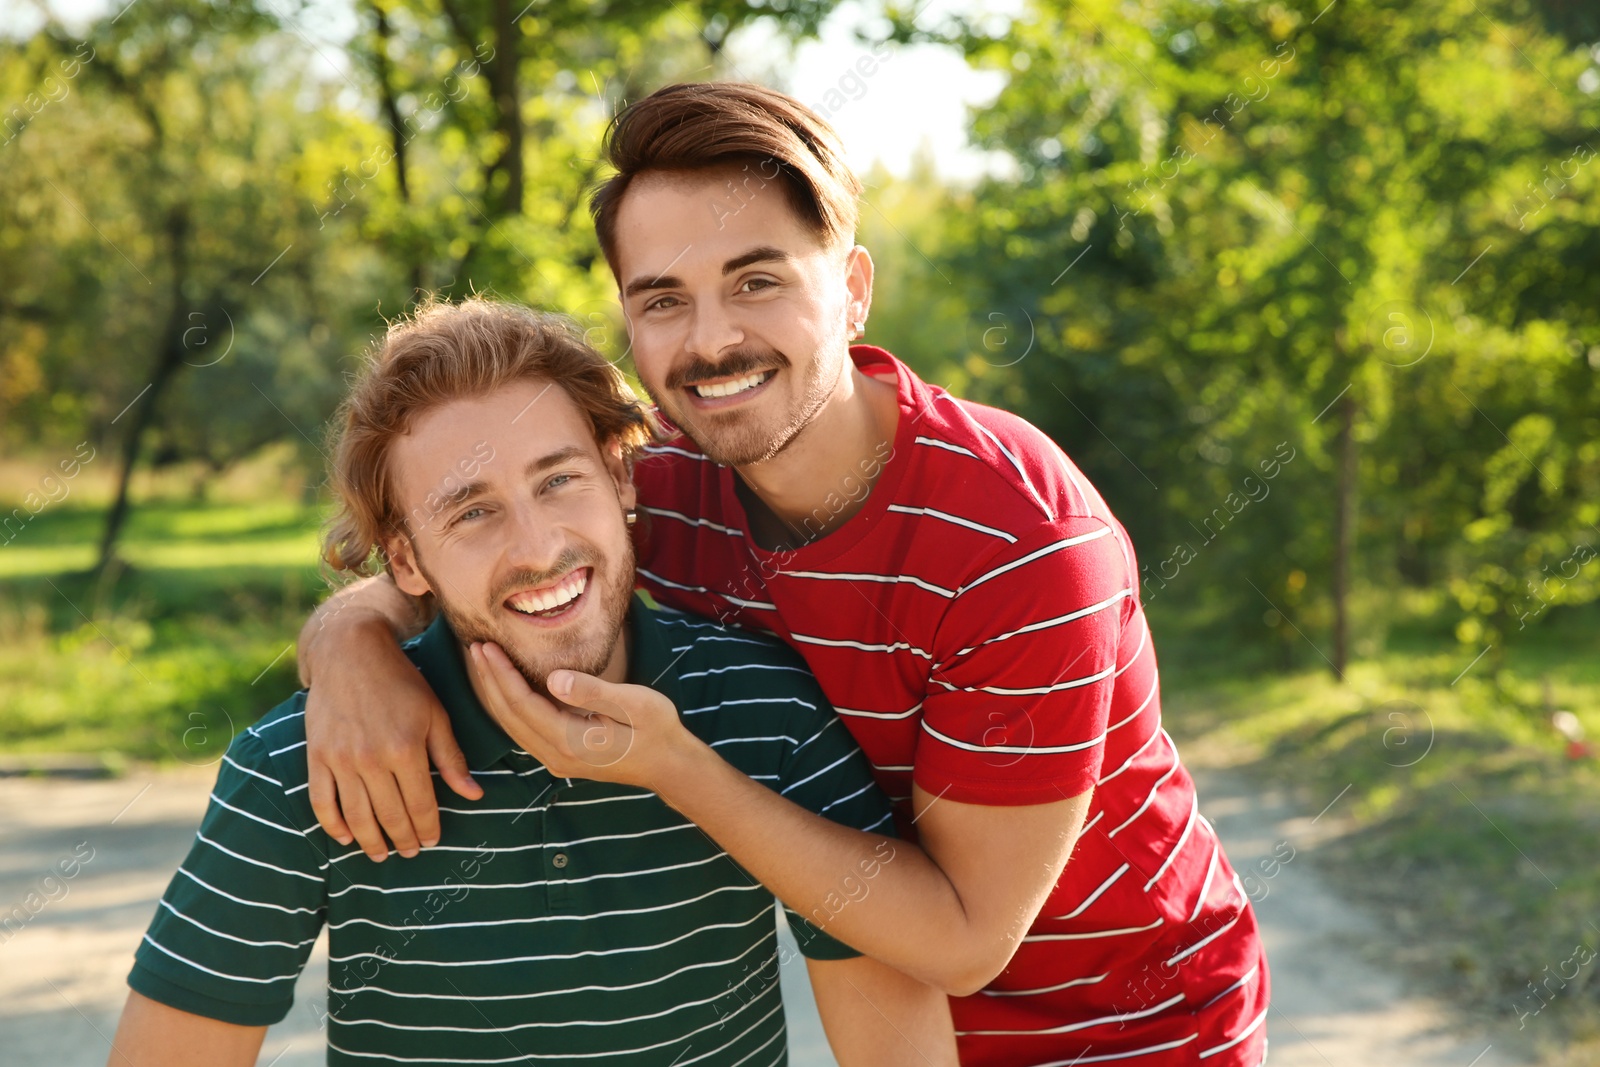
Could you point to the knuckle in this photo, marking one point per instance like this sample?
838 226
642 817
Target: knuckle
390 813
394 752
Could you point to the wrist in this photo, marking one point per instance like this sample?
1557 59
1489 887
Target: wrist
686 767
346 637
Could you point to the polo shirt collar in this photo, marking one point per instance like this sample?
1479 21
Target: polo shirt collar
440 657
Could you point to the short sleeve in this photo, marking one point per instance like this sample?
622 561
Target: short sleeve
237 923
827 773
1024 669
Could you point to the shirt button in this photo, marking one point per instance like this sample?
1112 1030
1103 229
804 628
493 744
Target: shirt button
559 859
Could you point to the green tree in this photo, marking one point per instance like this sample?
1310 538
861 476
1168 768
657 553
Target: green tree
1239 226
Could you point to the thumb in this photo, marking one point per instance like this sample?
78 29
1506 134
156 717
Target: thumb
448 757
582 690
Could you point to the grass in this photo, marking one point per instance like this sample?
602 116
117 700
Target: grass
185 646
1471 832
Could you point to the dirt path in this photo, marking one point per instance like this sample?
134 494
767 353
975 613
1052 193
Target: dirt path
62 967
1334 1003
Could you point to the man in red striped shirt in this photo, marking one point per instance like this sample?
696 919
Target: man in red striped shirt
965 597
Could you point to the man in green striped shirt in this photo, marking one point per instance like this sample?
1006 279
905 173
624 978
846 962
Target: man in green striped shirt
484 461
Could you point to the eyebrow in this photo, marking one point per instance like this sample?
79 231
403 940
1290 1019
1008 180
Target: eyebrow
760 254
537 466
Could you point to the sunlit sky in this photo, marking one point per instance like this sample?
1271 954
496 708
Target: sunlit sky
918 95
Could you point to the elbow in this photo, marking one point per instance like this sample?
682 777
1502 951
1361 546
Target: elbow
963 985
962 976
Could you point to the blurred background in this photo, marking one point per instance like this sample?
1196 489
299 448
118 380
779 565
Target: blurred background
1311 290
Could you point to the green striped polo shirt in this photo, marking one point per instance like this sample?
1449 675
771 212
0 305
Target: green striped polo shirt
557 920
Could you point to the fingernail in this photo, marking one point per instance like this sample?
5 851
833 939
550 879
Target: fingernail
430 842
560 683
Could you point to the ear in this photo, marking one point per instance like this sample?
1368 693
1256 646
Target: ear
858 284
617 467
403 566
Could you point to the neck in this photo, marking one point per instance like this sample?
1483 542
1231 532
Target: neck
822 479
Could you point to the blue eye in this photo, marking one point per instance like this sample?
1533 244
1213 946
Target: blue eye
558 481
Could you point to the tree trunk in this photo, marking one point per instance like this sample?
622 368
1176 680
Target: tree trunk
504 76
397 132
1344 534
168 360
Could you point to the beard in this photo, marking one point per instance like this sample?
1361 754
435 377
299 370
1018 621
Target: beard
586 647
744 438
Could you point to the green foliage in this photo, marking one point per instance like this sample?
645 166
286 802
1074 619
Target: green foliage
1224 219
203 219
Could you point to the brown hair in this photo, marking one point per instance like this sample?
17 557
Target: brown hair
444 352
694 126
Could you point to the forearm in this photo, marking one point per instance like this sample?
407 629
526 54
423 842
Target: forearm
373 605
875 1016
879 895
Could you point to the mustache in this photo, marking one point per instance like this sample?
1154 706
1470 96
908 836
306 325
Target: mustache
569 561
739 362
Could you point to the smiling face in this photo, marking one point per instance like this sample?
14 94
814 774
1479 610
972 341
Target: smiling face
533 553
738 313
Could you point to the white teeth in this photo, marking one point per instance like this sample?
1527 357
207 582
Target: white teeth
568 590
738 385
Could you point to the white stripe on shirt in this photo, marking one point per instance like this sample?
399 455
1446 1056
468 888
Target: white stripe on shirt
1019 749
956 519
1055 546
1246 1032
1059 620
1092 897
1068 1028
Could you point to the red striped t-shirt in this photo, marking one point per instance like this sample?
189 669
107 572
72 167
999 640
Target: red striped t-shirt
977 625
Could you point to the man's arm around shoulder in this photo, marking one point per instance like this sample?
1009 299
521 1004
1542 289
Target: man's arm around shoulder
372 723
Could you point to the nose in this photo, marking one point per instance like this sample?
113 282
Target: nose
712 331
535 542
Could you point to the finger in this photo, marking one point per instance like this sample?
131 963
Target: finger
509 683
451 761
488 674
588 691
576 688
389 808
599 696
325 802
495 699
422 807
358 814
513 700
546 730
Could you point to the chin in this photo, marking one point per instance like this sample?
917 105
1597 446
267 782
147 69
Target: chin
740 443
587 651
537 665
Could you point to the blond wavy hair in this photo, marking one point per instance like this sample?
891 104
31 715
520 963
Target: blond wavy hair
444 352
